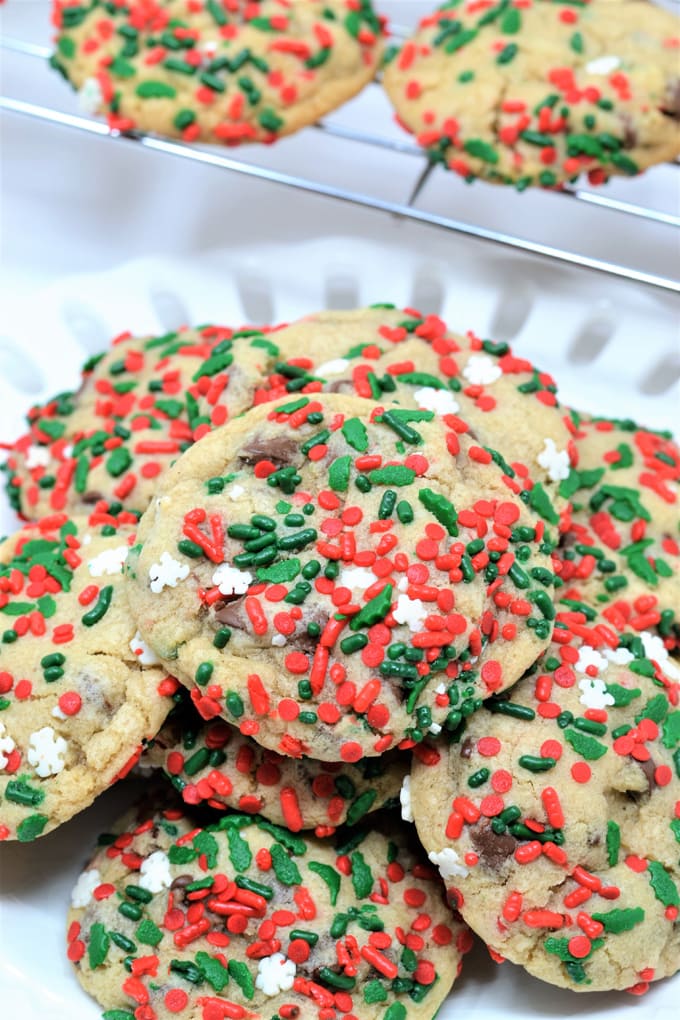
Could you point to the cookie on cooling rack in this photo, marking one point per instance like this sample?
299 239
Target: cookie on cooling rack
620 544
244 919
396 355
212 763
553 817
538 93
77 699
334 578
213 71
138 407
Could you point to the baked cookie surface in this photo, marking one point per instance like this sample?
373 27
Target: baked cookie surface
140 404
400 356
554 818
243 919
214 71
334 577
213 763
77 701
620 544
541 92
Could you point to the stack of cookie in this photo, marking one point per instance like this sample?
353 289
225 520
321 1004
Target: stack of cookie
312 574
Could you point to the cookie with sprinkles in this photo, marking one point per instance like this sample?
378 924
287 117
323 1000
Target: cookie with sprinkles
220 71
555 817
244 920
138 407
212 763
537 92
401 356
335 578
77 701
620 544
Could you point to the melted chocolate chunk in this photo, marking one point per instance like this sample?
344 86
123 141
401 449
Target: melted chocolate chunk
493 849
670 103
280 450
232 614
466 748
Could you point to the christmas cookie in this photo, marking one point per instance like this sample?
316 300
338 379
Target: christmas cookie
540 92
243 919
212 763
554 817
334 577
138 407
79 694
400 356
222 71
620 544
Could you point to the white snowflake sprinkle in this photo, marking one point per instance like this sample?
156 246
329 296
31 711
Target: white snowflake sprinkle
90 98
154 874
109 562
595 693
655 649
275 974
603 65
619 656
232 581
279 640
405 799
410 611
235 492
7 745
588 657
335 367
440 401
144 655
37 456
555 462
46 752
481 370
356 578
167 574
84 887
448 862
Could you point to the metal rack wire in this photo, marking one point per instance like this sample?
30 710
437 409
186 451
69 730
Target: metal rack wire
407 209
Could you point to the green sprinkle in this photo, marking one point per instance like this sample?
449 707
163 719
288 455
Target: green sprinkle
149 933
617 921
328 875
285 869
507 54
395 474
441 508
242 977
663 885
374 611
155 90
481 150
338 474
362 876
536 764
98 945
281 572
587 747
540 502
239 851
215 973
100 608
356 435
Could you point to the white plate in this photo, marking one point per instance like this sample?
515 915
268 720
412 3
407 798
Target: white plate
77 314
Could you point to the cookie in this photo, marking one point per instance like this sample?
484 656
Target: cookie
335 578
212 763
243 919
77 702
620 543
213 71
138 407
398 355
554 817
538 93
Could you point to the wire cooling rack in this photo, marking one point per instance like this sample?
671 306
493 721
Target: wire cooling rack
357 141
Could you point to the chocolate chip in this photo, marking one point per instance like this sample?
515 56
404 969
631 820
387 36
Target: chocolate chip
466 748
181 881
670 103
280 450
493 849
649 768
232 613
91 496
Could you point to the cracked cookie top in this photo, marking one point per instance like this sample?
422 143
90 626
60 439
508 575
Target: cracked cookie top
335 577
537 93
554 817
